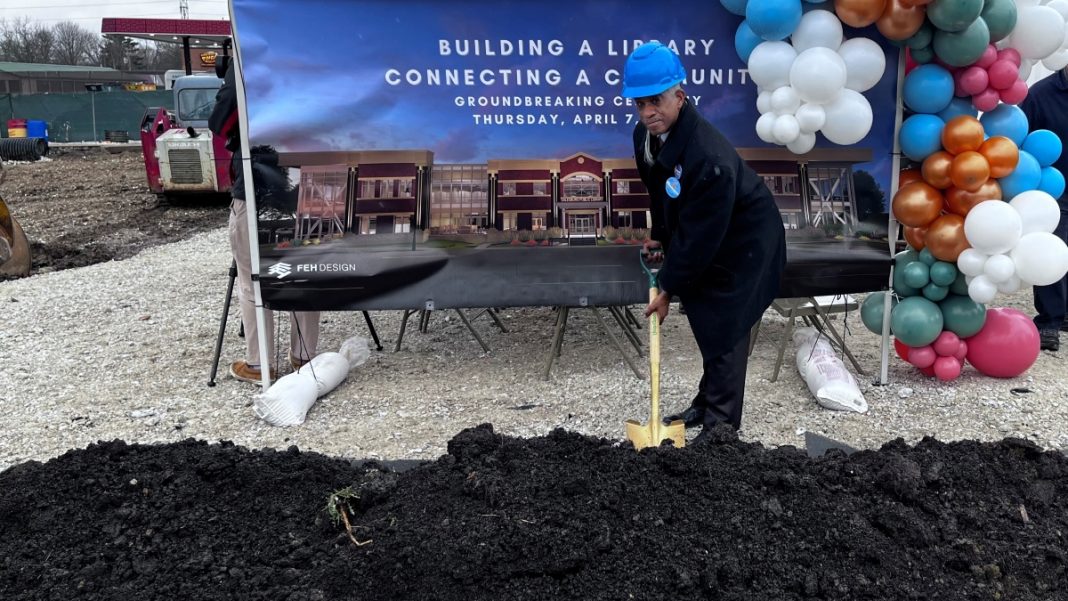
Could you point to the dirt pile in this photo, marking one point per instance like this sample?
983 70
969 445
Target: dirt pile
556 517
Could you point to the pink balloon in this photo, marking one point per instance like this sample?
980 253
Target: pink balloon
1010 54
989 56
922 356
1007 346
928 371
946 344
973 80
958 87
1002 73
962 351
987 100
947 368
1015 94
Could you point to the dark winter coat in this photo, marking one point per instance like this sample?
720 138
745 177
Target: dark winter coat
723 236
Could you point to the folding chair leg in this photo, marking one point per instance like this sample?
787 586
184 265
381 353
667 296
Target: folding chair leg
617 343
833 332
474 332
404 324
786 335
497 320
633 320
371 328
753 337
631 336
558 337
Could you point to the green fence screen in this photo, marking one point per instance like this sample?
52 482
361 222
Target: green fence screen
70 117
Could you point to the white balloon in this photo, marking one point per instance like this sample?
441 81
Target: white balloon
1010 285
1061 6
993 227
865 63
804 143
982 290
785 100
999 268
818 75
818 29
971 262
849 118
1039 32
769 64
1041 258
1026 65
764 102
810 117
1056 61
968 279
1039 212
765 127
786 129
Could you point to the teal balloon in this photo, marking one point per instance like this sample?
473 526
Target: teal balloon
916 274
959 285
962 316
943 274
960 49
905 257
954 15
923 55
922 38
927 258
1000 17
916 321
900 287
935 292
871 311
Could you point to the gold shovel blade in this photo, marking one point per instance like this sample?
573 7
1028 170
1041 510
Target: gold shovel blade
651 435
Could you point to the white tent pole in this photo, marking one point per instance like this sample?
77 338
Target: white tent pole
891 225
250 205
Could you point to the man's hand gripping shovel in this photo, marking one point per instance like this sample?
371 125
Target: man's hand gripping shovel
653 433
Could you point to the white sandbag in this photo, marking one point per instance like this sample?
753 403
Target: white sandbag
825 374
287 401
356 351
328 370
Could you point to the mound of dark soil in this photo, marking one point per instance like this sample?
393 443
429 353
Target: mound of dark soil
557 517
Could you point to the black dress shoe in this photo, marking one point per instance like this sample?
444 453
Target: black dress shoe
693 416
1049 340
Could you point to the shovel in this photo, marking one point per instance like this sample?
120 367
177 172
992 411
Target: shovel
655 432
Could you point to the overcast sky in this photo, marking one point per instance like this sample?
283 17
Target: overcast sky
88 13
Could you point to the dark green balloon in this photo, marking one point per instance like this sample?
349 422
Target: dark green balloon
943 273
923 36
954 15
916 321
905 257
927 258
935 292
916 274
962 48
959 285
1000 17
962 316
871 311
923 55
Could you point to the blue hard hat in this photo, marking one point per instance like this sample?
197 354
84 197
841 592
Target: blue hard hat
651 69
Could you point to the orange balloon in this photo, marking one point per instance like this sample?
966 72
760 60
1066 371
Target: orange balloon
859 13
917 204
962 133
914 236
935 169
1002 154
945 238
907 176
969 170
900 20
916 2
961 201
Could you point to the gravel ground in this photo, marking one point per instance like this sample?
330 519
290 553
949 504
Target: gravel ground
123 349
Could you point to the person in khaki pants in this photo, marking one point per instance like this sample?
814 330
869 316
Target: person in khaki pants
304 332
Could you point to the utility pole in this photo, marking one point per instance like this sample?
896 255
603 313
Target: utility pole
183 7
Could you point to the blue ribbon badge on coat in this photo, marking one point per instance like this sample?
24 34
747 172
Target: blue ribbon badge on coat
673 187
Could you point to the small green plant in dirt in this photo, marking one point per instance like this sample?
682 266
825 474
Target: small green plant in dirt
339 506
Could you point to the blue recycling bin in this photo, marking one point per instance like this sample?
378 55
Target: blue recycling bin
35 128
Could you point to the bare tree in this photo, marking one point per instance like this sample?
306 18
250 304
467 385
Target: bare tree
74 44
24 41
160 57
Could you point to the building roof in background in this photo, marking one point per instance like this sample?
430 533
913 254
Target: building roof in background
28 68
202 33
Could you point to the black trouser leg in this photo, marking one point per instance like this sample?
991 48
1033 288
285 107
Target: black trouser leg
723 386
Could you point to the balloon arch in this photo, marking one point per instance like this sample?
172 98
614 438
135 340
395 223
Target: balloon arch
977 194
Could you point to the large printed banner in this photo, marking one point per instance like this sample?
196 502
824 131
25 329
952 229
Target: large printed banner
494 126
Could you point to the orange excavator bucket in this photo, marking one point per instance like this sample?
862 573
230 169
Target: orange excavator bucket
14 247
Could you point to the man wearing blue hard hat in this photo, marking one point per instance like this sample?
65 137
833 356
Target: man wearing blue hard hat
722 236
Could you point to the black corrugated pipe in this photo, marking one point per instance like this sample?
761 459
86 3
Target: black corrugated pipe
23 149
